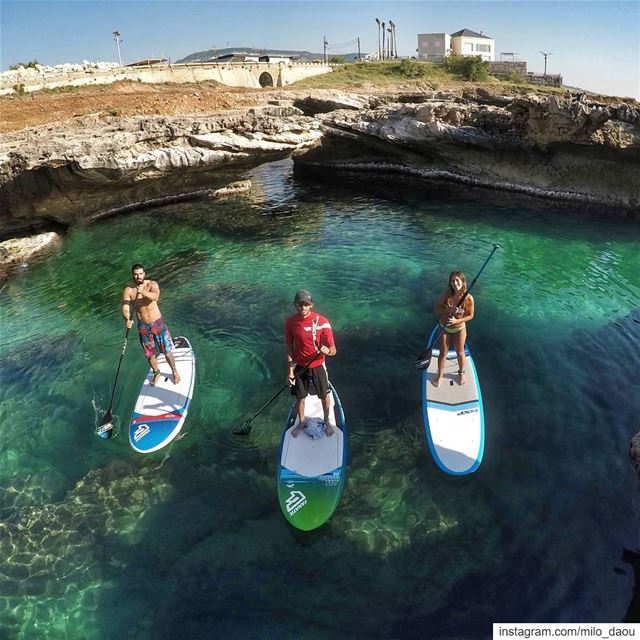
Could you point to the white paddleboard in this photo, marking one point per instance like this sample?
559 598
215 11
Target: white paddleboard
162 408
453 414
312 472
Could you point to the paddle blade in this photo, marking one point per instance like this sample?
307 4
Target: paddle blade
423 360
244 429
105 430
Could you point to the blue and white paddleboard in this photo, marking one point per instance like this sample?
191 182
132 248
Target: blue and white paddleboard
162 408
453 414
312 472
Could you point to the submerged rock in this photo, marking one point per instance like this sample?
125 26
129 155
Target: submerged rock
634 450
16 252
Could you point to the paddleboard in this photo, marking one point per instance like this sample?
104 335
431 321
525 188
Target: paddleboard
312 472
453 414
161 409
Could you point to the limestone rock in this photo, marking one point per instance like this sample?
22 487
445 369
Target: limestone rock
555 146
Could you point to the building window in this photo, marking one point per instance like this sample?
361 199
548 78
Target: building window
483 47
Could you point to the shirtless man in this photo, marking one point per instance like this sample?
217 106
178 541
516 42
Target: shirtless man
154 334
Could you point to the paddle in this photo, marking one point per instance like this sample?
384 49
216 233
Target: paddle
105 430
245 428
423 360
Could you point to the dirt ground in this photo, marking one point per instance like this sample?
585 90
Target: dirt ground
134 98
123 99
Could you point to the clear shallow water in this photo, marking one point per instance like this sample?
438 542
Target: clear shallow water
98 542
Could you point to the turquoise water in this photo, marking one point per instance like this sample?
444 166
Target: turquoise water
99 542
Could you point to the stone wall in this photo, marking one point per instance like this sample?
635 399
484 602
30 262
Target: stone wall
233 74
547 81
508 68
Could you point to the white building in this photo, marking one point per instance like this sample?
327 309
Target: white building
470 43
434 47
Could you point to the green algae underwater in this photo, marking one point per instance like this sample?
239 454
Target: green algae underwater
97 541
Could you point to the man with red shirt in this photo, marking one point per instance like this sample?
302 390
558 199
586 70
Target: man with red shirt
308 338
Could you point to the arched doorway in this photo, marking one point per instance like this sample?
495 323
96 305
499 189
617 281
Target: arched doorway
265 79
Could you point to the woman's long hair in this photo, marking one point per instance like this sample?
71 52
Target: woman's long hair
448 295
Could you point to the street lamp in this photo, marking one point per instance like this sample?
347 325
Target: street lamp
116 37
545 60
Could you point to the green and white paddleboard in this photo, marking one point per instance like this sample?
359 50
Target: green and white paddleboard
312 472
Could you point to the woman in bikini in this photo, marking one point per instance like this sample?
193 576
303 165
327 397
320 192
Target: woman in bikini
454 317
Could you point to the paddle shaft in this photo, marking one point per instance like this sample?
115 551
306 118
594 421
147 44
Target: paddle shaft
124 348
266 404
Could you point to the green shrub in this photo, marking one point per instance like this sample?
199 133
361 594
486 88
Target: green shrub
336 60
469 67
32 64
515 78
412 69
19 89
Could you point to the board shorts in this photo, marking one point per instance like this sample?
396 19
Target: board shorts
155 338
317 375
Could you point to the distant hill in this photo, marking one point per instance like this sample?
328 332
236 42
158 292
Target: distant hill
203 56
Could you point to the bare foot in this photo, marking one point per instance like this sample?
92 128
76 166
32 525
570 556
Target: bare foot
176 377
328 429
436 382
156 377
463 377
296 432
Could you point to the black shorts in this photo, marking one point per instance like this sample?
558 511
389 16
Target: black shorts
317 376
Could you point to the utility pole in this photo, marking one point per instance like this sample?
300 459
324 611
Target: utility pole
116 37
359 57
383 37
545 60
379 50
324 44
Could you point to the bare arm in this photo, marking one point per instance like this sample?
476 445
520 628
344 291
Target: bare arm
467 316
291 365
127 305
149 290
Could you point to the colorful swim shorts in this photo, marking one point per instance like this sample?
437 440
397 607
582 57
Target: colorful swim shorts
155 338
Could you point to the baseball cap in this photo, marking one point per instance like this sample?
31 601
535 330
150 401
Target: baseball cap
303 296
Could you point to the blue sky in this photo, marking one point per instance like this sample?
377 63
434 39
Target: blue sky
594 44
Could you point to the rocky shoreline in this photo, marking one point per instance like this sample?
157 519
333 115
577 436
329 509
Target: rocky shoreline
563 148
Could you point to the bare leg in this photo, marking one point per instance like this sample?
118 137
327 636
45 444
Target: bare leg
172 363
326 406
296 432
153 363
442 358
459 340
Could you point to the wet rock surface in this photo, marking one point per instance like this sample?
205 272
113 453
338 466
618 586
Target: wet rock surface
562 147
